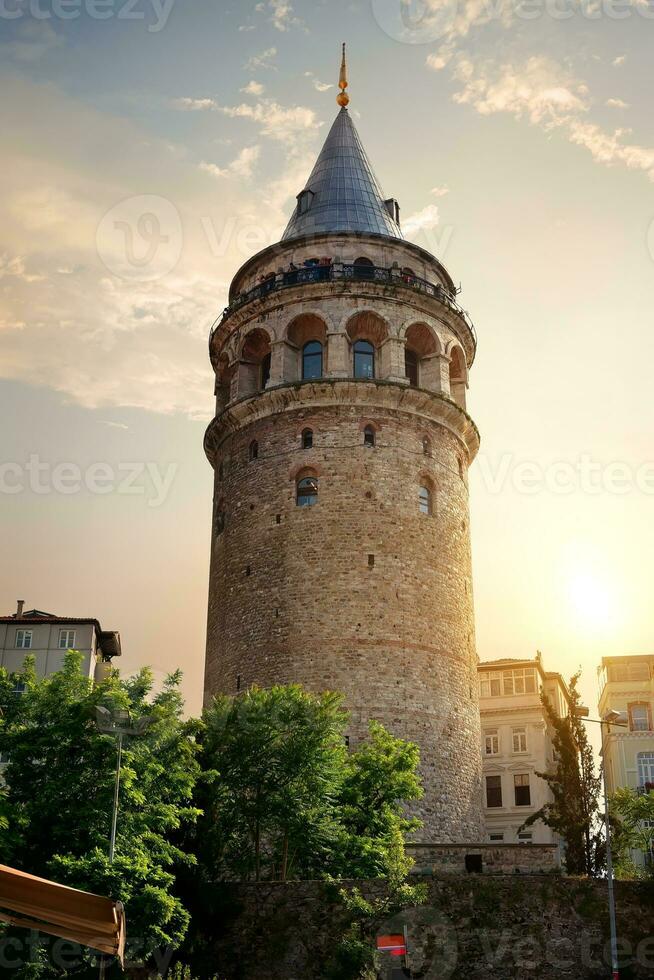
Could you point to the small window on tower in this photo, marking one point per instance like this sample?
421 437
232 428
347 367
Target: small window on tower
307 439
253 451
369 436
426 446
307 491
424 500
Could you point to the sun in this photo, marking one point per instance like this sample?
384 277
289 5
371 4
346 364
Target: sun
593 599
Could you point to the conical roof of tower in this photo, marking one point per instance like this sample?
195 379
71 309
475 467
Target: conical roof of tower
345 194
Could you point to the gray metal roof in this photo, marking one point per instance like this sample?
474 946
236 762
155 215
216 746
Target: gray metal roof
347 196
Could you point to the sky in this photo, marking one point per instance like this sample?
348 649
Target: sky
151 146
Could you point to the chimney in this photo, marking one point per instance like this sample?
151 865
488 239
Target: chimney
19 608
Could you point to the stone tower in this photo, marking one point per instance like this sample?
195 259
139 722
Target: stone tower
340 549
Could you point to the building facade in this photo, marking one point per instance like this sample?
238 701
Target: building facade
48 637
516 743
626 685
340 549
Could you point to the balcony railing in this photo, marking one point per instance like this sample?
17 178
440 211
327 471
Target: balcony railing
338 271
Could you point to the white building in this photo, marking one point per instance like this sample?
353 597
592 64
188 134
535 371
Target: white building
516 743
47 637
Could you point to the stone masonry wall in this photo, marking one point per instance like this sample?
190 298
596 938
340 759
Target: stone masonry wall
360 593
472 928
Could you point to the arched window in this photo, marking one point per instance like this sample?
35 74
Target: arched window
411 367
363 268
364 359
307 439
265 371
424 500
312 360
307 491
426 446
253 450
369 436
220 518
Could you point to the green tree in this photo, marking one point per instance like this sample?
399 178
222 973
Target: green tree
574 811
632 828
59 791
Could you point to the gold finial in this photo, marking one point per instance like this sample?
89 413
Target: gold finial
343 98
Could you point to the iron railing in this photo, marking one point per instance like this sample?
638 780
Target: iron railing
349 273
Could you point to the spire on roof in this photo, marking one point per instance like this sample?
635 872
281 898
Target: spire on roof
342 192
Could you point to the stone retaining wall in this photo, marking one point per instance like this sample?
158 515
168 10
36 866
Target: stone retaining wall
485 858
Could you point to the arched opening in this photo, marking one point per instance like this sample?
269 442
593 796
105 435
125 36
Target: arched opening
426 445
411 367
364 268
419 364
366 332
306 489
424 499
312 360
253 450
369 436
254 367
307 439
408 276
458 376
306 348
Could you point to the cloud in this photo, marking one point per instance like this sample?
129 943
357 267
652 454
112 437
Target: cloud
547 95
247 27
616 104
113 425
194 105
253 88
620 60
317 84
14 266
439 191
423 220
275 121
283 17
33 40
262 60
241 166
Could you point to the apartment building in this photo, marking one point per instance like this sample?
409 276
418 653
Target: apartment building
516 744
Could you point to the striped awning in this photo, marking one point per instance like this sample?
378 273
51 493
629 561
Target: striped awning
36 903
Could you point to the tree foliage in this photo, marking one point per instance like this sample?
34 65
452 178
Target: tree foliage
60 784
575 786
632 828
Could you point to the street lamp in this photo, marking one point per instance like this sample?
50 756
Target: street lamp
119 724
610 718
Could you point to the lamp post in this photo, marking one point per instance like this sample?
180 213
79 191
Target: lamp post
119 724
610 718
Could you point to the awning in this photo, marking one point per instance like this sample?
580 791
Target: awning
36 903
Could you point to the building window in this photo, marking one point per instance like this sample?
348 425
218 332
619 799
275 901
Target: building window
66 639
424 500
265 371
491 742
23 639
304 200
369 436
522 789
4 758
493 791
312 360
411 367
426 446
628 672
645 768
525 837
519 739
19 687
307 491
496 838
220 519
253 450
307 439
639 718
363 268
493 684
364 359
